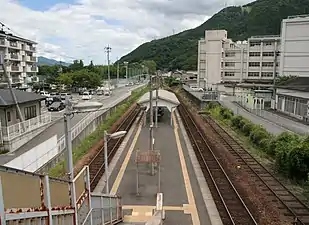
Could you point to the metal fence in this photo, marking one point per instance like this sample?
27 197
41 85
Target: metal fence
45 200
18 129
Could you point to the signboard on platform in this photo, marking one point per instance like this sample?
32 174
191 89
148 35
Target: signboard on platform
148 157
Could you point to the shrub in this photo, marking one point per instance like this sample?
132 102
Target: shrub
247 128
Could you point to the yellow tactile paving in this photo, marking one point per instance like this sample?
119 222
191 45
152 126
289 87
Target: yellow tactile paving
192 206
125 162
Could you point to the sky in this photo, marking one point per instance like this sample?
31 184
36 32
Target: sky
80 29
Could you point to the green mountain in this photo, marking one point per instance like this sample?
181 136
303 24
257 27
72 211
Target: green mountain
262 17
50 62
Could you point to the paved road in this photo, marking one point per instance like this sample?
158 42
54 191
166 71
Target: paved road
58 127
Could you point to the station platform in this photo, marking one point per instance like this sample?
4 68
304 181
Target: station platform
183 193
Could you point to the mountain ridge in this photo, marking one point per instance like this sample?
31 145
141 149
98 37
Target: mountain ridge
50 62
179 51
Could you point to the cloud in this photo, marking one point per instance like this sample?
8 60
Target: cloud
82 30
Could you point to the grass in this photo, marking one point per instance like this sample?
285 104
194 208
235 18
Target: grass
94 137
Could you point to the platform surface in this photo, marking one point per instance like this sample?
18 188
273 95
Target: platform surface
182 198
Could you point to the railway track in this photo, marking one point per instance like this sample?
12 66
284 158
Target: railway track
293 208
96 165
231 206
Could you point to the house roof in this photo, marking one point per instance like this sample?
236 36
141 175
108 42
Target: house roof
297 84
21 96
163 94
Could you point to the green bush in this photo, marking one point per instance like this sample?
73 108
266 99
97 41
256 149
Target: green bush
290 151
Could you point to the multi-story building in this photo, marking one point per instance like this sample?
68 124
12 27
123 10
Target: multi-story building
295 46
220 60
21 61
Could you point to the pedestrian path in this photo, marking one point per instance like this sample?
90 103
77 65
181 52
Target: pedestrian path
276 119
268 125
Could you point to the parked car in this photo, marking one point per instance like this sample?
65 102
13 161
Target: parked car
107 92
129 84
86 96
196 88
45 93
100 92
56 106
64 96
51 100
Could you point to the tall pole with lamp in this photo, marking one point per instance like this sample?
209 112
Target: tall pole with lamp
115 135
108 50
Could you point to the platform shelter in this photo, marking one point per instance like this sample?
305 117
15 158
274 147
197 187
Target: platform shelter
165 99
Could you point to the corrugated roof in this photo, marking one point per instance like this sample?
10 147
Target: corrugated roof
21 96
163 94
297 84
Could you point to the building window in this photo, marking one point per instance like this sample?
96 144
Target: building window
8 116
203 61
254 54
229 74
268 53
254 64
17 116
229 64
254 43
30 112
267 64
253 74
277 63
230 54
267 74
267 43
277 53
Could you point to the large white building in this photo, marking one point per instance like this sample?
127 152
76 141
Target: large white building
295 46
220 60
21 60
292 97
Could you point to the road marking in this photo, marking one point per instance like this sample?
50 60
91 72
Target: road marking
125 162
191 207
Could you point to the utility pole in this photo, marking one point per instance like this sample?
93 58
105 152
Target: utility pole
117 71
108 50
3 63
157 96
151 124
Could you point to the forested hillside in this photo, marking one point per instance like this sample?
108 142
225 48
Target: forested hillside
257 18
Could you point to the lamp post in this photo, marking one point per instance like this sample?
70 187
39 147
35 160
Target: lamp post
126 64
115 135
84 107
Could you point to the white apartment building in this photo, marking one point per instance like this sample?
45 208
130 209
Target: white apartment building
295 46
220 60
21 60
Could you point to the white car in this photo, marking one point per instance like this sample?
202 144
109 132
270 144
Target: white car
196 88
86 96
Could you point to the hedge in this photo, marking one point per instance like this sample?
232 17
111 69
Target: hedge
94 137
290 151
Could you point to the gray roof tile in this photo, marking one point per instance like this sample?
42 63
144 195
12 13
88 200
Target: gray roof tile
21 96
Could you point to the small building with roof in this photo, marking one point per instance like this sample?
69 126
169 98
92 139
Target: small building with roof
292 98
166 99
13 129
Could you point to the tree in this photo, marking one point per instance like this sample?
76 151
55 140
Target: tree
77 65
66 79
151 65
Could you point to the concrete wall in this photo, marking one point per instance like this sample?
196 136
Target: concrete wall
13 113
88 130
295 47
